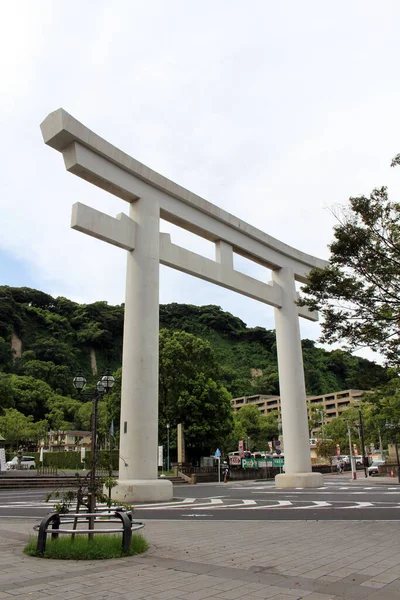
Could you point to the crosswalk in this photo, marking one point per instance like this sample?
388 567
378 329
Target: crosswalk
214 504
229 504
246 497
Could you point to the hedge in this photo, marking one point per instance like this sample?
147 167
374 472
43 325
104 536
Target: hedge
72 460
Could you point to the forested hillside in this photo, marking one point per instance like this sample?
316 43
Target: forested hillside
205 355
54 337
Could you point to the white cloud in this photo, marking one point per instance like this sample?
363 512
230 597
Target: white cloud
273 111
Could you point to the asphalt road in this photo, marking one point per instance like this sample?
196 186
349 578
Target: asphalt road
252 500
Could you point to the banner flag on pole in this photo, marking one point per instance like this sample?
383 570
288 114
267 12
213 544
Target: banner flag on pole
112 428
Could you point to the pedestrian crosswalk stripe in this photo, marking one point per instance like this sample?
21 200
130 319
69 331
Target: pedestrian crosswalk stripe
315 504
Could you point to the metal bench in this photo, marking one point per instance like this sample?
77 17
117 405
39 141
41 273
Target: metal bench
52 524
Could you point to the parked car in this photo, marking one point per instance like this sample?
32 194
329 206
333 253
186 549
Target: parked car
27 462
374 468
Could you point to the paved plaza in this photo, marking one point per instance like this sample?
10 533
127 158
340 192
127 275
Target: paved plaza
222 560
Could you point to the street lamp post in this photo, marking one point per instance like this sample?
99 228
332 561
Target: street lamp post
395 428
167 447
102 387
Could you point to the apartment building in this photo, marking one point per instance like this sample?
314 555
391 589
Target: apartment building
66 441
265 404
333 404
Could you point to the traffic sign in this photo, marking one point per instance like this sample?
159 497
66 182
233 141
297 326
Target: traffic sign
279 451
278 461
217 453
277 443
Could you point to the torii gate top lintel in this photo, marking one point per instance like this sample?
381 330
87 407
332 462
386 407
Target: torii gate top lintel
78 144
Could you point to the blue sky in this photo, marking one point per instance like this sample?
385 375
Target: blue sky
274 111
15 272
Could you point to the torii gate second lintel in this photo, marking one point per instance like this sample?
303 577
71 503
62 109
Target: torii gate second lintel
151 197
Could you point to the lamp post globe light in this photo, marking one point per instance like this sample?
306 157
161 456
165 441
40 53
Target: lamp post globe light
107 381
102 387
395 428
79 381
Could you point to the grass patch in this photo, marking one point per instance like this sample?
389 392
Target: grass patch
100 548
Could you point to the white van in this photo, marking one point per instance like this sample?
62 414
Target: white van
27 462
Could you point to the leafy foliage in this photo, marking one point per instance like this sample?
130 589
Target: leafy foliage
253 427
19 429
358 293
206 356
326 449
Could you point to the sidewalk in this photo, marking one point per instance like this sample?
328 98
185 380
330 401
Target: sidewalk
221 560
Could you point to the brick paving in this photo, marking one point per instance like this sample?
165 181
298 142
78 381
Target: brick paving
199 560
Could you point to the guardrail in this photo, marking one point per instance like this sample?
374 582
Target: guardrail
52 524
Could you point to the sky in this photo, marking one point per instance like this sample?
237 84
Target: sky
274 111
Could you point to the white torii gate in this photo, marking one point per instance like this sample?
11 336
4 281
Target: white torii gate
151 197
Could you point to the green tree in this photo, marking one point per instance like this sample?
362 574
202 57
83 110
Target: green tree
6 355
326 449
189 392
358 293
316 414
204 408
183 357
57 376
63 412
16 428
336 430
31 396
255 428
6 392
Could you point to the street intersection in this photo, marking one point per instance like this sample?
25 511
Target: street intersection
339 499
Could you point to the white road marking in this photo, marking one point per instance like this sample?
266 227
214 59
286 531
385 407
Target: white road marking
162 504
213 501
280 504
239 504
358 505
315 504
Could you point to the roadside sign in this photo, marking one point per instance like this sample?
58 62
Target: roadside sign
261 462
249 463
278 461
217 453
235 461
241 448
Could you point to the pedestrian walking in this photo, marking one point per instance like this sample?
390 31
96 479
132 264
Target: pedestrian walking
226 473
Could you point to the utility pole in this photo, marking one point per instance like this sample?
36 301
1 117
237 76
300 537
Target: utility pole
353 466
362 442
380 442
321 412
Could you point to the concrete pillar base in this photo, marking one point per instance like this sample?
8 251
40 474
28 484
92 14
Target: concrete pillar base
143 490
299 480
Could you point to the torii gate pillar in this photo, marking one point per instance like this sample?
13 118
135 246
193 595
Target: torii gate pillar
139 394
292 389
